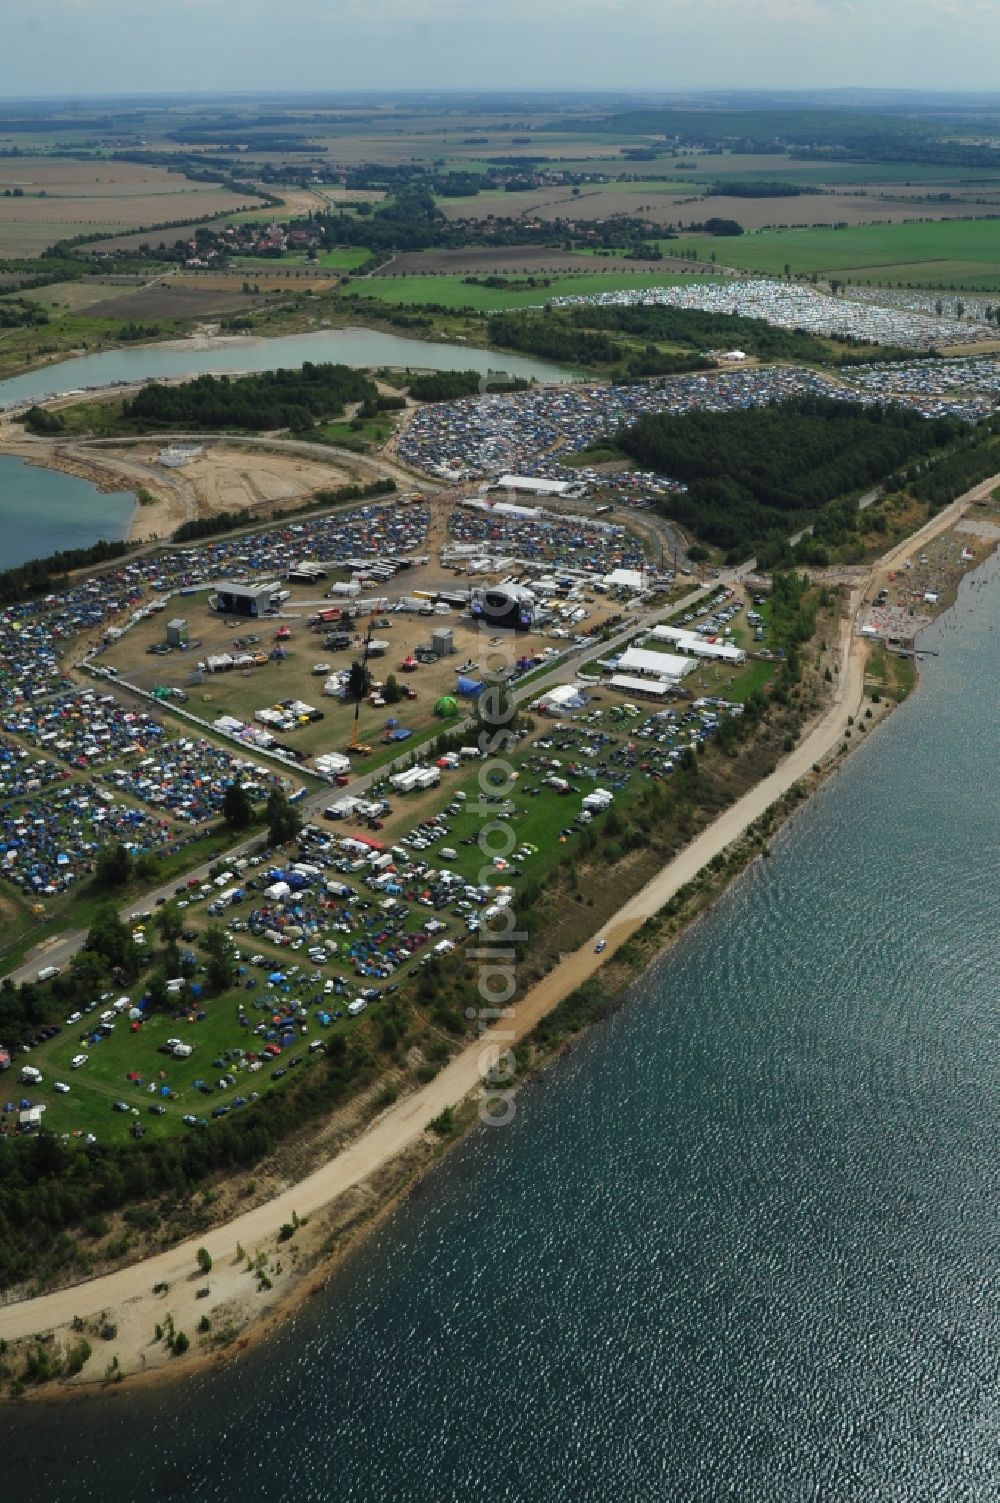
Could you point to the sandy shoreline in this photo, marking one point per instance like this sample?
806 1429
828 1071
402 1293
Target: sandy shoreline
126 1296
263 475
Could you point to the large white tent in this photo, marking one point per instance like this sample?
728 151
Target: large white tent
698 647
662 665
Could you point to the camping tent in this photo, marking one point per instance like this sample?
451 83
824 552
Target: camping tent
446 705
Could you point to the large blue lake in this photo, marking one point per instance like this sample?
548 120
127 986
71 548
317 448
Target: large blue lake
740 1244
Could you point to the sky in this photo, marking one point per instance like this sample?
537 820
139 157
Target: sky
80 47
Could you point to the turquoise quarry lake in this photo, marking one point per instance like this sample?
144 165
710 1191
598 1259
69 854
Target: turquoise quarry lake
357 347
739 1244
42 511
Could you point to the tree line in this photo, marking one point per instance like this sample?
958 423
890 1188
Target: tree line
42 576
583 335
447 386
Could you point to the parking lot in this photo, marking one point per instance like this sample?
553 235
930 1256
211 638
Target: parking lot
793 305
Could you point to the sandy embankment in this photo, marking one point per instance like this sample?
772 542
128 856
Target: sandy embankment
127 1295
229 476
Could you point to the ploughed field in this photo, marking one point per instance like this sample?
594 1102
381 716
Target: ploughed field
86 197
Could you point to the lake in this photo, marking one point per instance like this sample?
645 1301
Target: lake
357 347
42 511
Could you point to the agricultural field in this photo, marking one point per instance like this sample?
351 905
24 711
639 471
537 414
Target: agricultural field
175 300
966 253
342 258
505 260
63 197
453 292
82 296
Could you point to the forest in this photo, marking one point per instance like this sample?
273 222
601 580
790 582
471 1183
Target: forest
446 386
698 330
18 314
754 474
583 335
560 336
292 399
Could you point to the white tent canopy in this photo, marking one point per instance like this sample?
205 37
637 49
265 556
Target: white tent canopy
697 646
628 685
663 665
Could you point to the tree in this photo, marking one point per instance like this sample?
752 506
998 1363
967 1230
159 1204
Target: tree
283 820
168 923
237 807
86 972
112 940
359 682
220 962
156 991
392 692
114 865
204 1260
37 420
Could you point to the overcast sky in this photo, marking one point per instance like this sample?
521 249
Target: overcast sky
139 46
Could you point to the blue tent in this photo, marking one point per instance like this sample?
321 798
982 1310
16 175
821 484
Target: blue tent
469 688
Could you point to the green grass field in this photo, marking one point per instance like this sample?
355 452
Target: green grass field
102 1080
454 292
966 252
341 258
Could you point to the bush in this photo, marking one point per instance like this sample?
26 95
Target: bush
204 1260
444 1124
77 1356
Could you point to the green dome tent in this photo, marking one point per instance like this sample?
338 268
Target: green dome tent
446 705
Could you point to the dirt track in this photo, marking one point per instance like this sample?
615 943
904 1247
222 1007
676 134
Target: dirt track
264 474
